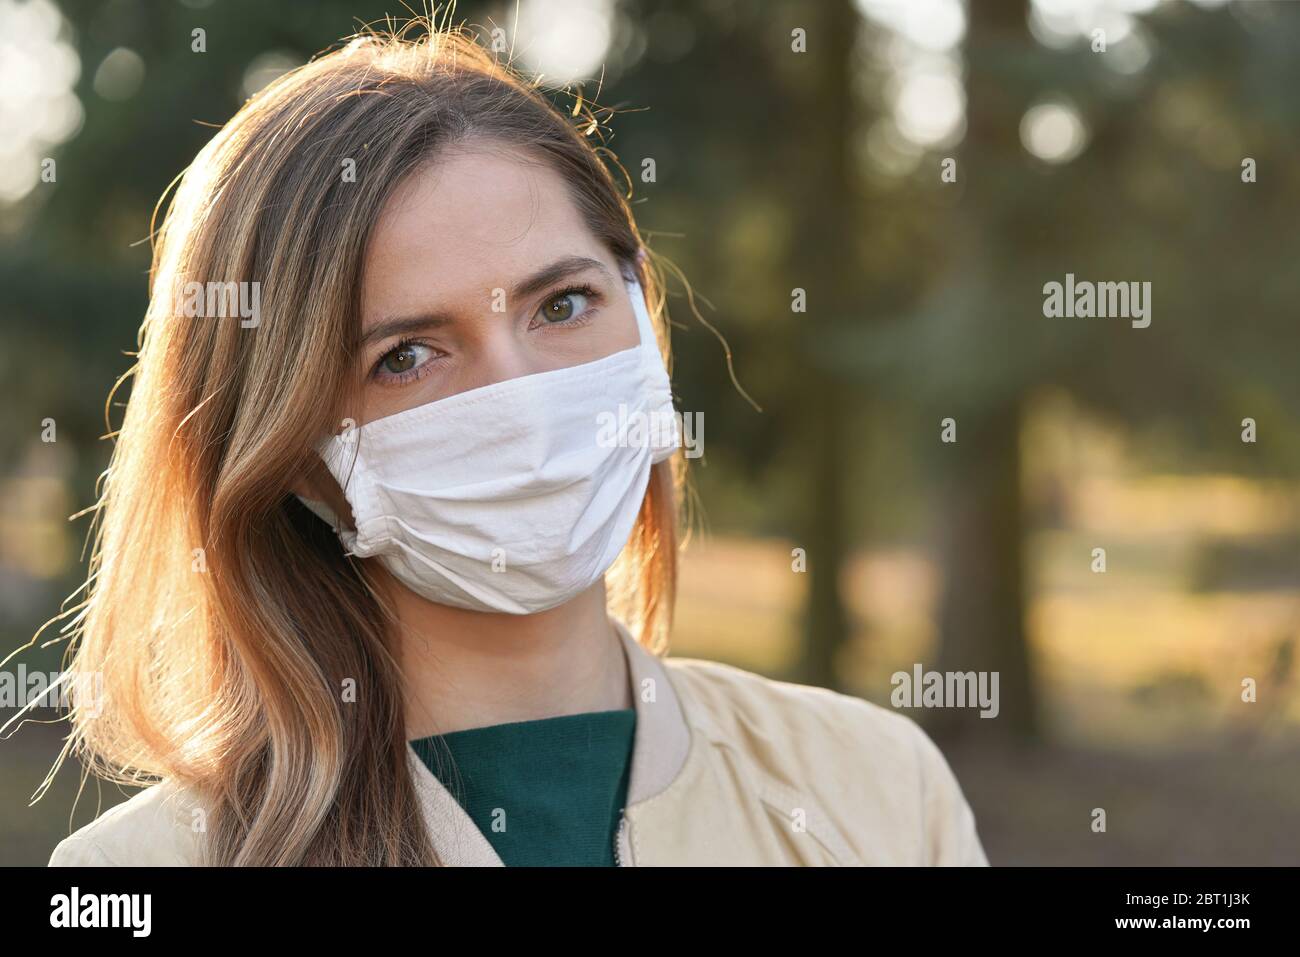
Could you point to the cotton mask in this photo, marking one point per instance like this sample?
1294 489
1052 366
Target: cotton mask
514 497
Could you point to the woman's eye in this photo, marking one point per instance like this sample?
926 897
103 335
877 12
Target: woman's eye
564 307
405 358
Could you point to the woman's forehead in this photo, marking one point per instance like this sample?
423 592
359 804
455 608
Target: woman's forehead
465 225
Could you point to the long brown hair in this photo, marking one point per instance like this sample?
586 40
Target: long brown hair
223 616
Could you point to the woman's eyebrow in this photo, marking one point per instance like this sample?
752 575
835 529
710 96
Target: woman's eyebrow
537 282
393 327
554 273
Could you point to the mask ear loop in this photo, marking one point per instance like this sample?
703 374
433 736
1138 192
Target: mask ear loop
332 449
653 356
645 328
640 307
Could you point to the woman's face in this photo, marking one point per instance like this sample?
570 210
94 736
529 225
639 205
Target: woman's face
481 269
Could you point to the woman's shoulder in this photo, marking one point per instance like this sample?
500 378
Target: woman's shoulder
731 700
161 826
860 759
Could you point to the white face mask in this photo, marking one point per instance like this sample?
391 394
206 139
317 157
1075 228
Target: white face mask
514 497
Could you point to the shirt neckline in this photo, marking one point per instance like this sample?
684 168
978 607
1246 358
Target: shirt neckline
604 715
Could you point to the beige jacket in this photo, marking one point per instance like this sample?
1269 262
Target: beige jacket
728 768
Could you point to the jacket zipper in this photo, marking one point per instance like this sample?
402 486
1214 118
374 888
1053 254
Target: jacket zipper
618 835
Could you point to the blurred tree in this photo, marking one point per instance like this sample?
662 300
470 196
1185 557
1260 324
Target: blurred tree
824 224
981 617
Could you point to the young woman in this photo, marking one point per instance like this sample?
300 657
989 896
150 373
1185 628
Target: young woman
385 559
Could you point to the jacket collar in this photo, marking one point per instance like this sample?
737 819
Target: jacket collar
660 746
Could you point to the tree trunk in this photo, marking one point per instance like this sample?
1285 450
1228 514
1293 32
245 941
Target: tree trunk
981 617
825 241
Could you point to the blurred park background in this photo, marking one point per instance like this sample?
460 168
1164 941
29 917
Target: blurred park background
819 164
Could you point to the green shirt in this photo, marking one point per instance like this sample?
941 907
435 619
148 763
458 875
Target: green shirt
548 792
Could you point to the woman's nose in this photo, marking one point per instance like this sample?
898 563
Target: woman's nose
501 356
